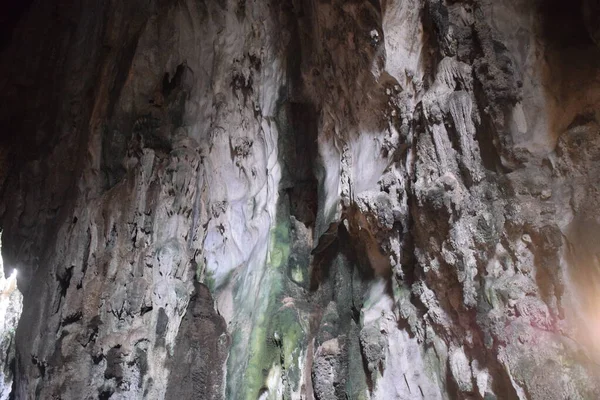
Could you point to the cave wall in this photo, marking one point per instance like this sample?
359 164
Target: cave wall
303 199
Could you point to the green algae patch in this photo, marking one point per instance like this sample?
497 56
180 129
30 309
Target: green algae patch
291 338
204 275
280 245
276 338
277 332
297 275
209 280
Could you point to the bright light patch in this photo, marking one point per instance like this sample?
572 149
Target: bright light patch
11 302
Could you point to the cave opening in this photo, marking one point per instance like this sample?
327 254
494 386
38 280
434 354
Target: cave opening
11 305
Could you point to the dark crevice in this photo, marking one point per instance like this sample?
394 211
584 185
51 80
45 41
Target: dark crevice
64 281
105 394
40 364
320 266
303 193
484 135
170 84
97 359
145 309
86 252
72 318
112 237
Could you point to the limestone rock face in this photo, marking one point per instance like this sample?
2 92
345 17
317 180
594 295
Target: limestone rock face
302 199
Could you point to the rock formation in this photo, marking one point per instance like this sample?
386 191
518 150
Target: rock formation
302 199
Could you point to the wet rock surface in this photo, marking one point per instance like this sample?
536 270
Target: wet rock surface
302 199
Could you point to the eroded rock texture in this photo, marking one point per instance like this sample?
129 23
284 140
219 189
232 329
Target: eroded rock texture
303 199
